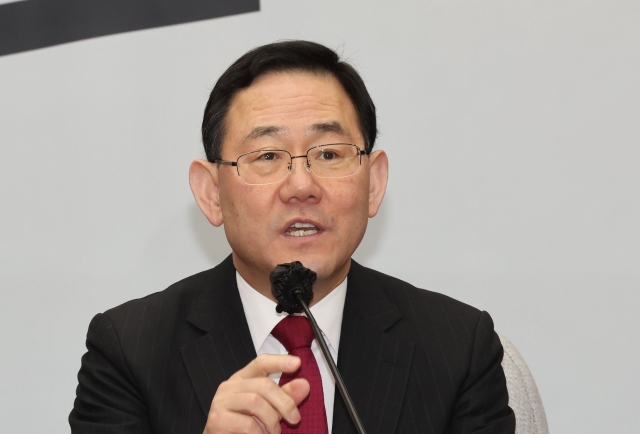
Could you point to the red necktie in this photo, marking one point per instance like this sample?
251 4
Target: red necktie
295 333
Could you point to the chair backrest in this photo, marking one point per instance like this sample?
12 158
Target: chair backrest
524 397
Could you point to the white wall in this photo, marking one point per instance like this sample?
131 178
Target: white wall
512 130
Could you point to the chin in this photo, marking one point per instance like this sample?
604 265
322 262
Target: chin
322 267
324 261
309 262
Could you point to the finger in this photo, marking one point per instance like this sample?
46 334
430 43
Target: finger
276 397
257 406
230 422
297 389
277 429
266 364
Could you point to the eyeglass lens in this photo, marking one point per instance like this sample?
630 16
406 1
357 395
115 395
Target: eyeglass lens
271 166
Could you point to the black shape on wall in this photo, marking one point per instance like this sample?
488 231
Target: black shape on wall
27 25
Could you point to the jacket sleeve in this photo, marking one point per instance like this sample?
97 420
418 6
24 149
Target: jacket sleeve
482 404
107 399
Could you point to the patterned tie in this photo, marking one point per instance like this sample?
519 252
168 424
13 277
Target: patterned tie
295 333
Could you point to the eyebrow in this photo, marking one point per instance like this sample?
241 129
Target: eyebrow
264 131
327 127
273 130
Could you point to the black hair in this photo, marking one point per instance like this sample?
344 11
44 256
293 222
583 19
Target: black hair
284 56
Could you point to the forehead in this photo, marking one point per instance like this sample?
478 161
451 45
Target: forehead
292 103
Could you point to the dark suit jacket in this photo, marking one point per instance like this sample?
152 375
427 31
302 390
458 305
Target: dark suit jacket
414 361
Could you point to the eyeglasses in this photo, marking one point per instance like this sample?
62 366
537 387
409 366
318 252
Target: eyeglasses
269 166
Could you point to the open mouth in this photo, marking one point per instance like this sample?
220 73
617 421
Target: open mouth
298 229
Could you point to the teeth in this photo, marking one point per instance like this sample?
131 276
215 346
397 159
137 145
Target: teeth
302 225
299 229
302 233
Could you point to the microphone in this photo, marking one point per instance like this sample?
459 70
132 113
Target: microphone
292 286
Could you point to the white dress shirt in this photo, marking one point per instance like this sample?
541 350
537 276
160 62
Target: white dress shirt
262 317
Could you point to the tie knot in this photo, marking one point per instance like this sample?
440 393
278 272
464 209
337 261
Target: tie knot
294 332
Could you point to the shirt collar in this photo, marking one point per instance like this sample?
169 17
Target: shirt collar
262 316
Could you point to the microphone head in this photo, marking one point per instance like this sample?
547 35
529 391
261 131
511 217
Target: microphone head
289 279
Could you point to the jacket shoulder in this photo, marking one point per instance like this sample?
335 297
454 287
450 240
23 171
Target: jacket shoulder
415 301
179 296
173 305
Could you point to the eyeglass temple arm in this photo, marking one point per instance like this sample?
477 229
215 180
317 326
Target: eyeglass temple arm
228 163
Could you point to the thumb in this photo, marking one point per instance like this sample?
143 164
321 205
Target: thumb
297 389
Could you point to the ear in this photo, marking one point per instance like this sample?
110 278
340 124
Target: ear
203 179
378 176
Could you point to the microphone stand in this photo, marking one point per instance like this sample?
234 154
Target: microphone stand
297 293
292 286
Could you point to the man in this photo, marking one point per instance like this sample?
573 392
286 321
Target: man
291 174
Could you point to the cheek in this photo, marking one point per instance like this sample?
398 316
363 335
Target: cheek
230 209
244 209
351 209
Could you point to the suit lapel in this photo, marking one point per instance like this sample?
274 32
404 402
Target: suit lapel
373 362
226 345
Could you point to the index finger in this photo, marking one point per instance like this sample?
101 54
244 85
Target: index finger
266 364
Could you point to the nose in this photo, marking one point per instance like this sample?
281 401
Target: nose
305 163
300 185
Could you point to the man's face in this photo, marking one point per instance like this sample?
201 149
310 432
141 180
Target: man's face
294 111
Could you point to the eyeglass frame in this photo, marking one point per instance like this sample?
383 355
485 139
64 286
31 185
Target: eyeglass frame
360 153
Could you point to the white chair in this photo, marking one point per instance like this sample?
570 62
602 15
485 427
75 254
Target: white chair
524 397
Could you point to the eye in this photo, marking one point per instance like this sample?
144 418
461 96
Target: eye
328 154
268 156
